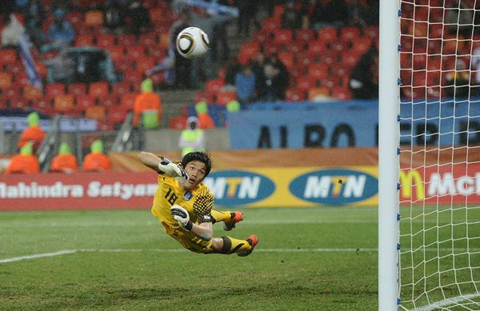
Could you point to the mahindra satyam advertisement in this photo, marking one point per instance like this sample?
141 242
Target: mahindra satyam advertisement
252 187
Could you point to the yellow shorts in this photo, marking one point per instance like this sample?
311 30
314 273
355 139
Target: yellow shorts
189 240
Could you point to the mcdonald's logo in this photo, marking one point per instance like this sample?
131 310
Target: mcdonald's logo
411 180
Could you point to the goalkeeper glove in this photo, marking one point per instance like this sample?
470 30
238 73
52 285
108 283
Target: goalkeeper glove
181 215
173 170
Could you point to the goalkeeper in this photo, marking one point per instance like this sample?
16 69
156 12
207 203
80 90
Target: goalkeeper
183 204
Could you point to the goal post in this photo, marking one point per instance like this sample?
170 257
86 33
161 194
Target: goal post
388 157
429 155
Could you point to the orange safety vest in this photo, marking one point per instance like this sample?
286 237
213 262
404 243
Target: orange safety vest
96 162
34 134
64 163
205 121
146 101
23 164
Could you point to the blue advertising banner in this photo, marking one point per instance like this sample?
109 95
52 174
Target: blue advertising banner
351 124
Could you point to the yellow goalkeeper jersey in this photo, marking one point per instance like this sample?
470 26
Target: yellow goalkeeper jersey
198 202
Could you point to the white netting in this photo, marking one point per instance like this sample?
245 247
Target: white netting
439 256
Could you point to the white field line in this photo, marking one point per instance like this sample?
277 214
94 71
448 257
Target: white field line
181 250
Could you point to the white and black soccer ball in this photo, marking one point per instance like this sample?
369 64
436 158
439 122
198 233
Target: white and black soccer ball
192 43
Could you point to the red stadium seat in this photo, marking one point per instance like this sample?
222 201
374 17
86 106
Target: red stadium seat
5 80
116 115
305 35
318 71
98 89
95 112
296 47
105 40
271 25
42 104
136 52
84 101
361 45
288 59
121 88
128 100
204 96
148 39
214 86
295 95
144 64
341 93
77 89
283 36
156 15
108 101
329 58
19 103
350 59
371 31
54 89
224 98
127 40
84 40
94 18
317 47
31 92
328 34
8 57
339 47
306 83
134 77
116 52
63 103
348 34
261 37
178 123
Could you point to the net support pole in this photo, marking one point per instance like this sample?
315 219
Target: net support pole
388 156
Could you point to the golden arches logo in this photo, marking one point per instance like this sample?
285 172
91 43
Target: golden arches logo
410 180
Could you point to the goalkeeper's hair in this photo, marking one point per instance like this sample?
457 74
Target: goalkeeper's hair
200 157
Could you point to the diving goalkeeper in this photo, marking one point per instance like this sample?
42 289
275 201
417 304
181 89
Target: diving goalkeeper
183 204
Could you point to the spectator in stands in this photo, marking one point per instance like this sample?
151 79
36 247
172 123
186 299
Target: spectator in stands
65 161
363 78
34 30
34 10
328 13
114 16
192 138
33 133
247 10
205 121
148 106
245 82
96 160
61 69
291 16
61 34
458 81
207 23
283 76
258 68
12 31
271 88
25 162
139 17
182 65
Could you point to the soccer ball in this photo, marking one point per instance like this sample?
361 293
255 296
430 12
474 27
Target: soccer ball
192 43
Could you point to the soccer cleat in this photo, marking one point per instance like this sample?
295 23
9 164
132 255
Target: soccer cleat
253 241
236 217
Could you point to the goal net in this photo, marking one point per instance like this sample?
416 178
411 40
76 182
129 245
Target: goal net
439 159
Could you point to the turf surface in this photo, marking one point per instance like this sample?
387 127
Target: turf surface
307 259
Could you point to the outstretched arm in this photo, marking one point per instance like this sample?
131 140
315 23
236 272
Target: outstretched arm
150 160
163 165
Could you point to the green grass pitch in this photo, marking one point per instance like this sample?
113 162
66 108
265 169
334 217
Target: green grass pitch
307 259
